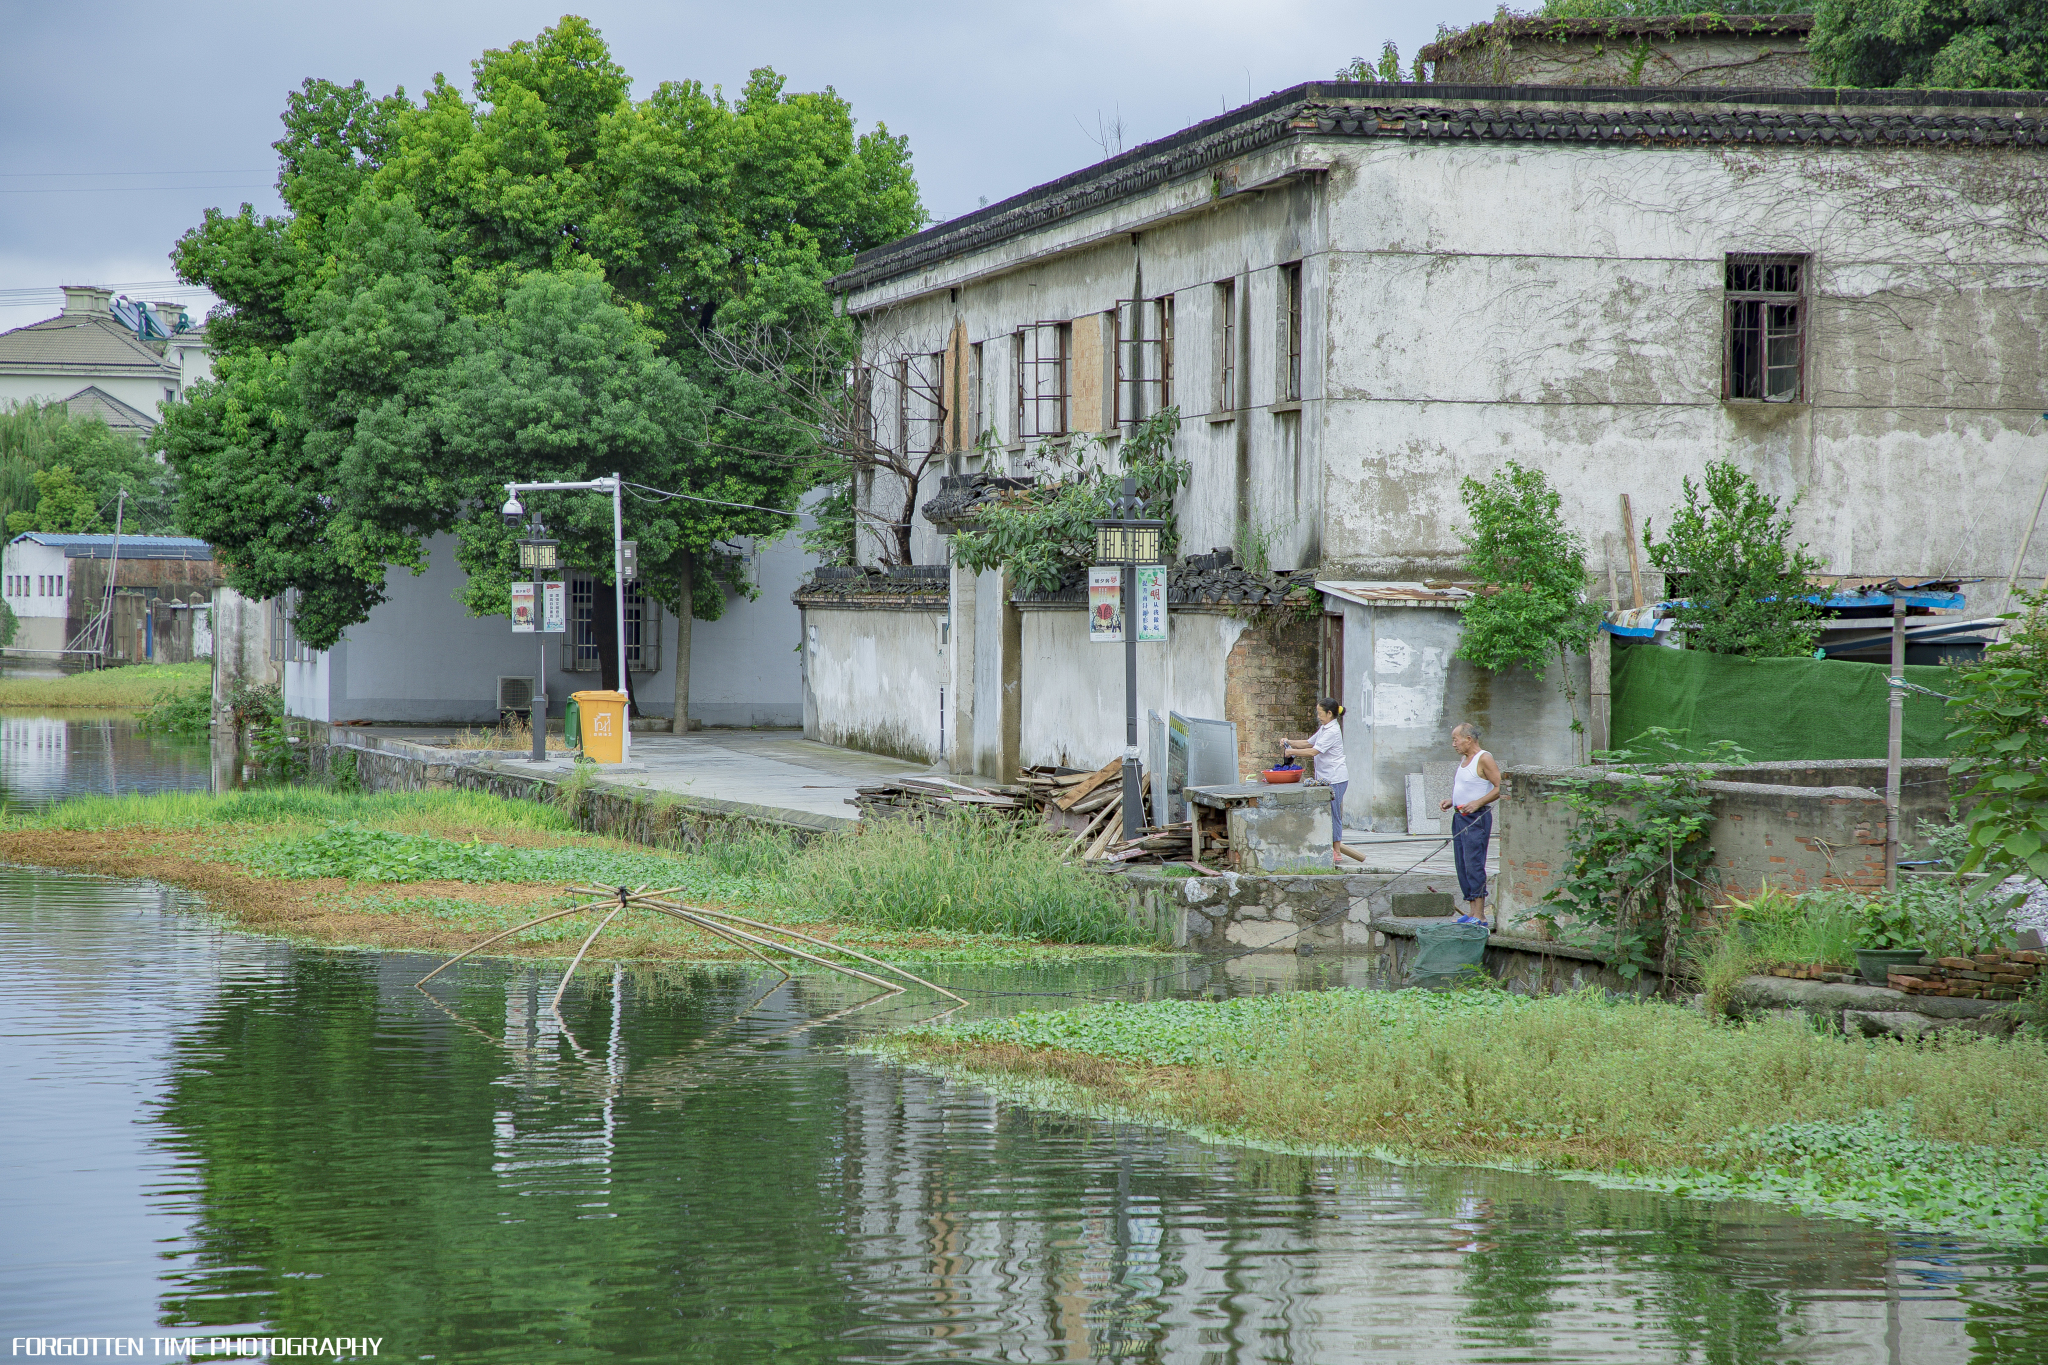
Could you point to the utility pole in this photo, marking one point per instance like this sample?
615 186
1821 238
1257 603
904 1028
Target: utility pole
1895 741
113 572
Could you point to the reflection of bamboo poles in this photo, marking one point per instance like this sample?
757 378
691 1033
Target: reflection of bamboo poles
722 924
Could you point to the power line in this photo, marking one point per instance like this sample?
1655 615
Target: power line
52 175
131 189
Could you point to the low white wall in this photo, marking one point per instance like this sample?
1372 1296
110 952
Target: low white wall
1073 702
873 678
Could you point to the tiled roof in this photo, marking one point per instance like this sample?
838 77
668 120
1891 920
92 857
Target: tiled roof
1622 26
81 343
1437 113
132 547
94 401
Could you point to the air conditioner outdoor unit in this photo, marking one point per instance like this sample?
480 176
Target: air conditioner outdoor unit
515 694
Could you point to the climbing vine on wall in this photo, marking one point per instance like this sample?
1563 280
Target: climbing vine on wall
1637 859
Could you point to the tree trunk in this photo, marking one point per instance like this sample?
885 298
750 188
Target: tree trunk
605 621
681 724
904 524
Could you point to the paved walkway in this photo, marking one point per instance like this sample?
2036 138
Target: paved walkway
778 769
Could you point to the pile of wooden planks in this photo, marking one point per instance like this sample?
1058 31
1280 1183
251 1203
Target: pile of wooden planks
925 794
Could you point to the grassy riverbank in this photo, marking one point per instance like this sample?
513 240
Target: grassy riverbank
128 688
1946 1134
438 870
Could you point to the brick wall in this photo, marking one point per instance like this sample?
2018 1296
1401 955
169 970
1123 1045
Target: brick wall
1269 690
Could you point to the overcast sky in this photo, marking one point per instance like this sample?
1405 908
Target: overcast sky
121 122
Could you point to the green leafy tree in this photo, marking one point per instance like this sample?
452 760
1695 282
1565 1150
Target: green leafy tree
519 286
1729 555
62 504
2001 741
1939 44
1042 535
99 464
1532 607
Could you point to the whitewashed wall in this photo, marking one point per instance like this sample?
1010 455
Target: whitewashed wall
873 680
1073 713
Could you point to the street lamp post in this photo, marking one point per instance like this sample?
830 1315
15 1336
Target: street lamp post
1128 538
615 485
540 555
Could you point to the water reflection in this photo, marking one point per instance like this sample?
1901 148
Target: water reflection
695 1169
49 756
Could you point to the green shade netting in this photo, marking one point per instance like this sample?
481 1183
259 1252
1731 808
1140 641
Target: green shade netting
1777 709
1442 949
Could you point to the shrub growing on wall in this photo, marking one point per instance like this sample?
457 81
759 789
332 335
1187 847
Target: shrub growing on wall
1532 607
1729 556
2001 738
1039 535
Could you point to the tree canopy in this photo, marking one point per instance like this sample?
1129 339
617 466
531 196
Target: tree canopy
1883 44
63 472
515 284
1937 44
1729 556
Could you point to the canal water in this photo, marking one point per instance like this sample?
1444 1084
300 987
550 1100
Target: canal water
207 1133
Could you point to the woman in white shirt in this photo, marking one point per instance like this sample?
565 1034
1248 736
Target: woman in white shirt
1475 786
1326 747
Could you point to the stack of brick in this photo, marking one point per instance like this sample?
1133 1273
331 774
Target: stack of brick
1815 971
2002 975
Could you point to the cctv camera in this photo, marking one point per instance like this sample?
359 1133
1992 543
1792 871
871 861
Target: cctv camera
512 510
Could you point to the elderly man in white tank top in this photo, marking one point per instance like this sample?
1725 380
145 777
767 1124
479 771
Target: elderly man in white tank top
1474 788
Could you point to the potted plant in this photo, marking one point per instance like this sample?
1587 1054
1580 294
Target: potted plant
1889 937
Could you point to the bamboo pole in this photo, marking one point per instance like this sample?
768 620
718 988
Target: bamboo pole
689 918
555 1005
835 947
553 915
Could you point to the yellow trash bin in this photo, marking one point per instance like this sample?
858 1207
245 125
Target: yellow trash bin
604 725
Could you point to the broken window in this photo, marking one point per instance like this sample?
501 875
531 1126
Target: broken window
1226 346
1765 356
1044 368
1290 333
1144 358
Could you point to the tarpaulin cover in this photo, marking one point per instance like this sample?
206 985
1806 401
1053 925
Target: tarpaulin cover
1443 949
1778 709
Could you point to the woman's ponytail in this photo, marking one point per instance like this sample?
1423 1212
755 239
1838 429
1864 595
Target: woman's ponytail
1334 707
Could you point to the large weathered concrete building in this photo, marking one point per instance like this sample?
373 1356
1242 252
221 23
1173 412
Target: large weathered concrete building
1358 295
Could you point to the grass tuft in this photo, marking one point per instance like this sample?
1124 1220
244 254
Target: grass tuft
970 872
130 688
968 877
1628 1089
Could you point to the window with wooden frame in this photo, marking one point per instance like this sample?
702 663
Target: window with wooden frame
1226 346
1290 333
1045 353
977 416
929 377
1144 358
643 630
902 445
1764 354
860 387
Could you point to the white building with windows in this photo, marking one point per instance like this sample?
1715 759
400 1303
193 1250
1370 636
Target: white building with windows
421 658
1359 295
105 357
